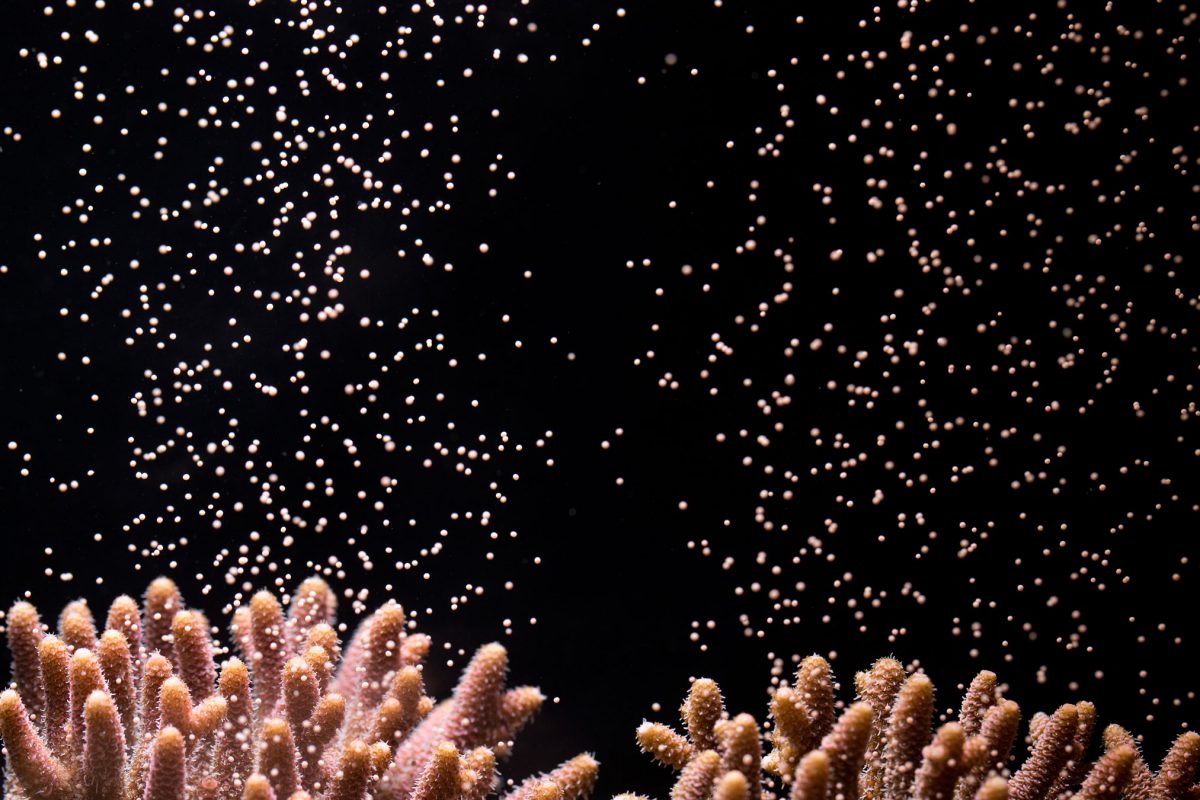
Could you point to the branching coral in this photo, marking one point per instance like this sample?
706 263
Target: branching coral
141 711
885 747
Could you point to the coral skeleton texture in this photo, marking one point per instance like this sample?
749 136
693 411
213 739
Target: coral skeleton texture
141 710
885 747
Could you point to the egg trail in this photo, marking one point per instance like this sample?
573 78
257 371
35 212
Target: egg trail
920 289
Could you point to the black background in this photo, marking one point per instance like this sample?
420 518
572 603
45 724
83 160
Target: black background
597 158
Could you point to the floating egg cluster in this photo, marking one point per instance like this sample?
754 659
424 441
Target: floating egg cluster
901 305
924 296
268 329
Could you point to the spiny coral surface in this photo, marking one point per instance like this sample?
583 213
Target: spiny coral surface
141 710
884 746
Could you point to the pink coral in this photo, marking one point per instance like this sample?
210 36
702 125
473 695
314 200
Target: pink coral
142 711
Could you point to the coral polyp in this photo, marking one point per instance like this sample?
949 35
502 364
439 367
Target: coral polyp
142 711
884 746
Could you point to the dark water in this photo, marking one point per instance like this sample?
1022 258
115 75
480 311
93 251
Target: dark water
943 310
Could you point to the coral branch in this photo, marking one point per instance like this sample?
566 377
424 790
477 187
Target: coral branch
141 711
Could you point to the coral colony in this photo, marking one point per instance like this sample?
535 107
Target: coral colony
142 710
883 747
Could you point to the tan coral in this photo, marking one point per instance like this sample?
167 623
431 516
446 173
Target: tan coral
884 748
